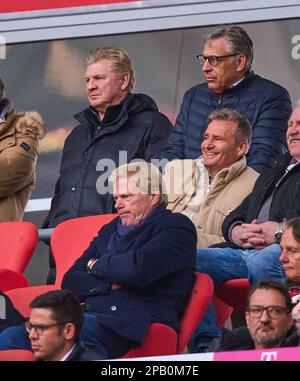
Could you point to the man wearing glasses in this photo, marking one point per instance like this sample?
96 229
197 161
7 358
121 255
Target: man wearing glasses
268 318
53 329
226 64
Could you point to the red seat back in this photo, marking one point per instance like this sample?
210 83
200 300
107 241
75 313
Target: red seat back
72 237
68 242
163 340
160 340
199 300
16 355
234 293
18 242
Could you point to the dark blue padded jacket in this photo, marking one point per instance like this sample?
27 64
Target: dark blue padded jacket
266 104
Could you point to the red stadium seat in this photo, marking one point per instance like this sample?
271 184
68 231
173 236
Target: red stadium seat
16 355
234 293
160 340
18 241
68 242
163 340
200 298
231 295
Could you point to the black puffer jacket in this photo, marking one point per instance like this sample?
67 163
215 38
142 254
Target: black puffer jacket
266 105
286 200
135 126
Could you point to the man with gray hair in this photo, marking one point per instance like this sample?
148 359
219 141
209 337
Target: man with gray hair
117 127
209 188
226 64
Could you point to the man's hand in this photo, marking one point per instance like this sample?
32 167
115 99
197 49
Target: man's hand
249 236
268 230
116 286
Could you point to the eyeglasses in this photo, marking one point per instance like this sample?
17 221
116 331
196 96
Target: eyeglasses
274 312
40 328
213 60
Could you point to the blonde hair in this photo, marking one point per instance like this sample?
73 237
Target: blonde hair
121 62
148 177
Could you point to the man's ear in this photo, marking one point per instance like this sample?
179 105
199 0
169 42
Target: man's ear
155 196
241 63
247 319
69 331
125 78
243 149
290 321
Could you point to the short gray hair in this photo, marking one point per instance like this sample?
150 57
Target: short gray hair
121 61
238 41
148 177
244 130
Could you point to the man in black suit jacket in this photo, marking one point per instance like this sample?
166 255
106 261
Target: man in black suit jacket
53 329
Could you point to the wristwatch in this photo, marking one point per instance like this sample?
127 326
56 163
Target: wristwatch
279 231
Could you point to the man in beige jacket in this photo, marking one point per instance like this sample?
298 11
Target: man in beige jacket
19 135
209 188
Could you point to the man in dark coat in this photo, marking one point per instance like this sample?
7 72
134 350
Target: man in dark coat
139 270
253 230
226 65
117 127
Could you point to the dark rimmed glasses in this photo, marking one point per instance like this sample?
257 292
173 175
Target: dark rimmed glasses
40 328
213 60
274 312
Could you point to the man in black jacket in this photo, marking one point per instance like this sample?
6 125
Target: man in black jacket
230 83
117 127
53 329
269 321
253 230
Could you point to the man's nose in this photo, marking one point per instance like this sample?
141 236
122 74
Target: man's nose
206 65
293 130
265 316
90 84
283 257
208 143
32 334
118 203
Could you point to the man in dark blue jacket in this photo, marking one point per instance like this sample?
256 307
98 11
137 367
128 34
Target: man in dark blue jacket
117 127
138 270
226 65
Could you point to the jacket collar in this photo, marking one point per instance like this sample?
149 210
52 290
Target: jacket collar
227 174
249 77
90 116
